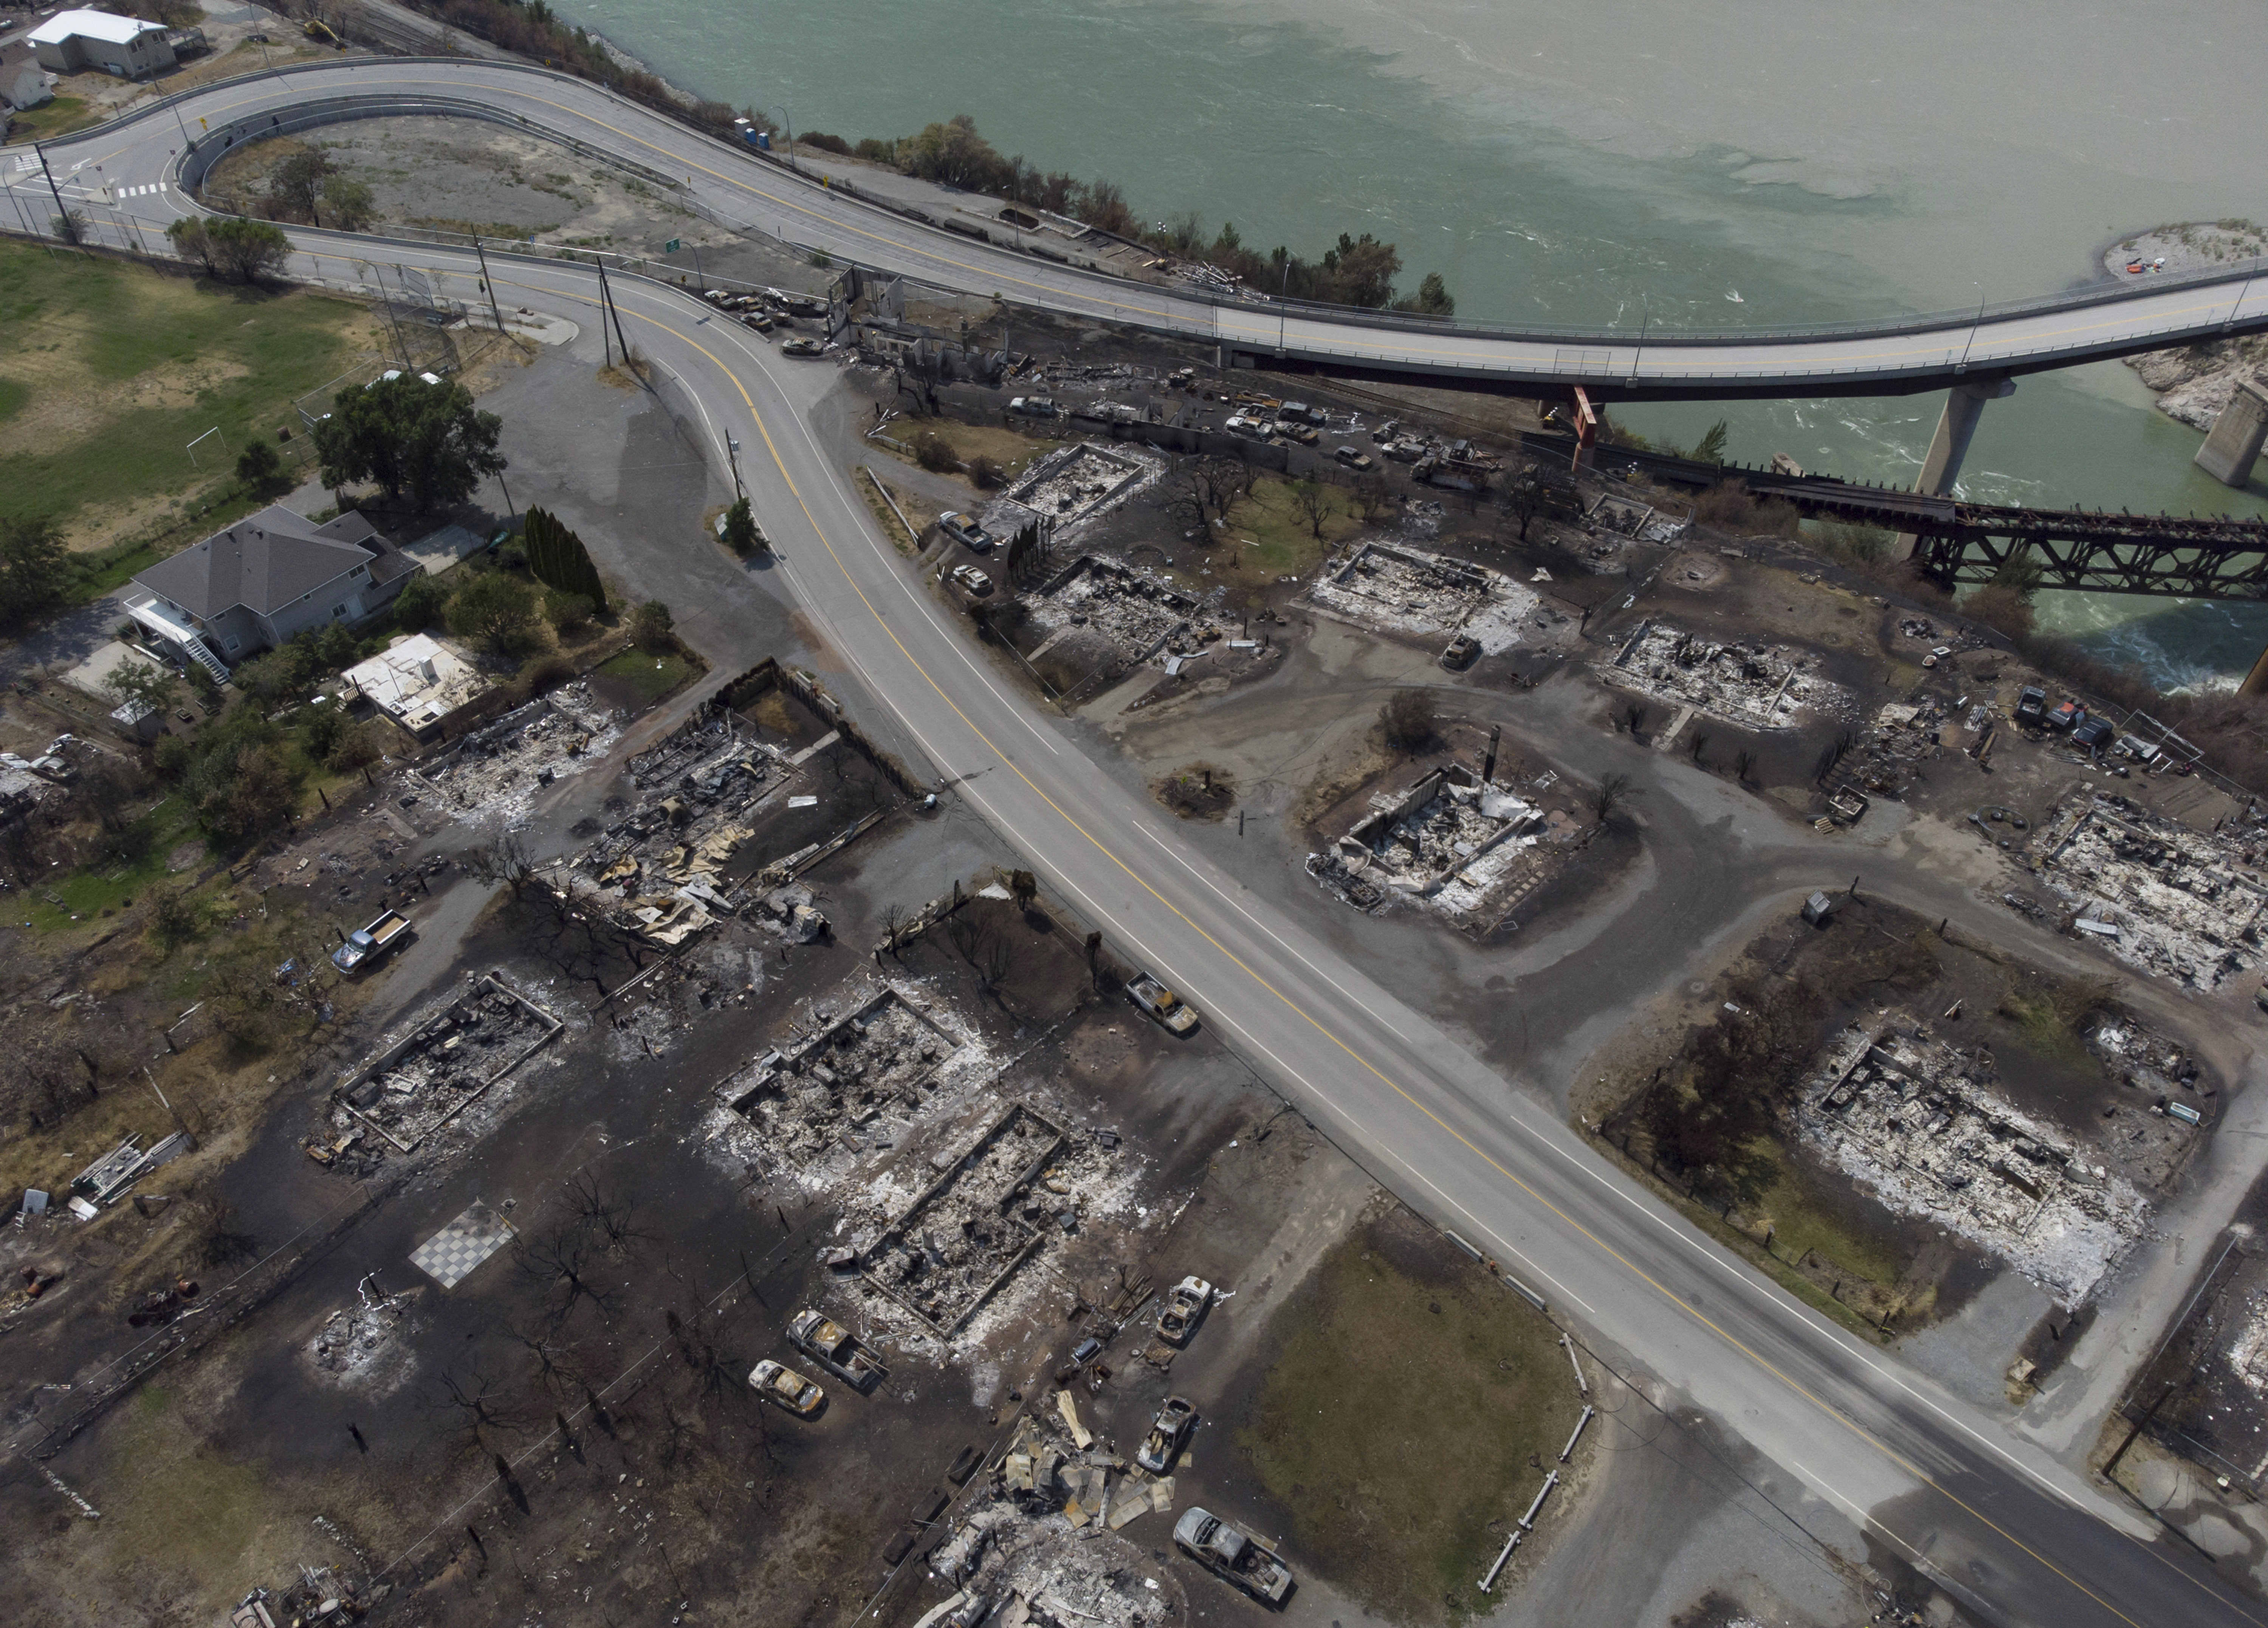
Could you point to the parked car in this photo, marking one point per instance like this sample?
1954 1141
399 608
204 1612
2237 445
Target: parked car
1161 1002
2093 735
803 347
1233 1554
1184 1310
1293 431
784 1387
832 1347
1461 652
2070 715
1169 1431
2032 704
758 321
971 580
1033 407
1355 458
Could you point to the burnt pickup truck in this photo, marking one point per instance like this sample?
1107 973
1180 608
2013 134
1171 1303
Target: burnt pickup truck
366 945
1147 993
1233 1554
834 1348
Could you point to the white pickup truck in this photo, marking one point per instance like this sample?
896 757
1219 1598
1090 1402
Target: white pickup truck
369 944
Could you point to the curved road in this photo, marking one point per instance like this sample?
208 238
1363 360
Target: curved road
136 163
2013 1532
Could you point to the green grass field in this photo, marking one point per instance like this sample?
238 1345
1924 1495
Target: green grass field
647 678
59 117
108 371
1267 537
1398 1419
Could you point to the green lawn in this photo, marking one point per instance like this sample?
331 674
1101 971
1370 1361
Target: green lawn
1281 542
648 677
1398 1419
59 117
108 371
87 892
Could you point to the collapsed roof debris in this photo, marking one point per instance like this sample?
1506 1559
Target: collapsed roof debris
2158 896
1469 849
1754 686
1919 1120
445 1064
357 1344
1072 487
1136 613
1409 590
1041 1542
975 1224
490 777
660 869
839 1078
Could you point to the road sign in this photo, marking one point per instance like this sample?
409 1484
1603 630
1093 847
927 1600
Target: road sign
670 247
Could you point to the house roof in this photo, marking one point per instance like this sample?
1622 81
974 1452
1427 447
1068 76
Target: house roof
91 25
264 562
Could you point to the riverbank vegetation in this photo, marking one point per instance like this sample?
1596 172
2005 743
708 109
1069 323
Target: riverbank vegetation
1354 271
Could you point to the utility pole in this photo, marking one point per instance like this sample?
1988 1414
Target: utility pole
732 456
63 215
606 293
697 278
488 283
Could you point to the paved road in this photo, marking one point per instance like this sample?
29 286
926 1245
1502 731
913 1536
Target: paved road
2003 1524
127 173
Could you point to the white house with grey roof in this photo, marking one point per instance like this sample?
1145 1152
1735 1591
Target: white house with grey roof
260 582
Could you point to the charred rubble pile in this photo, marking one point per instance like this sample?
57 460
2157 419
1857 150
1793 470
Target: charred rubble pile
1041 1543
1450 841
663 869
444 1064
1922 1123
1753 685
2163 898
884 1050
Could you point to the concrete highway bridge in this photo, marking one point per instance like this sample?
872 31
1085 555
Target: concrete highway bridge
2001 1514
144 169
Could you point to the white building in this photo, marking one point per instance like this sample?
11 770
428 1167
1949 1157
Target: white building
417 682
268 577
74 42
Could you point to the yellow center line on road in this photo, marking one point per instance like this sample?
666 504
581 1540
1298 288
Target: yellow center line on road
1670 1295
1614 1255
1823 362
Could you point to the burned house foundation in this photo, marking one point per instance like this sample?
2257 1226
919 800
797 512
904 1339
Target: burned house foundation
446 1063
1405 589
2160 897
1468 849
1750 686
1919 1120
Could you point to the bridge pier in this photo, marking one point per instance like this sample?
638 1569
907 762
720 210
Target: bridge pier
2228 452
1957 426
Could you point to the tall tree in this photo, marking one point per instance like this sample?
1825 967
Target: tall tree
33 568
423 442
557 559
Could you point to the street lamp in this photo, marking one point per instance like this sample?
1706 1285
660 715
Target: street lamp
1284 303
787 123
732 456
1973 326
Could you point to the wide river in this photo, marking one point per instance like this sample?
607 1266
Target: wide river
1820 159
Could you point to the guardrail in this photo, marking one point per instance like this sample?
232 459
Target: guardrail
1572 338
